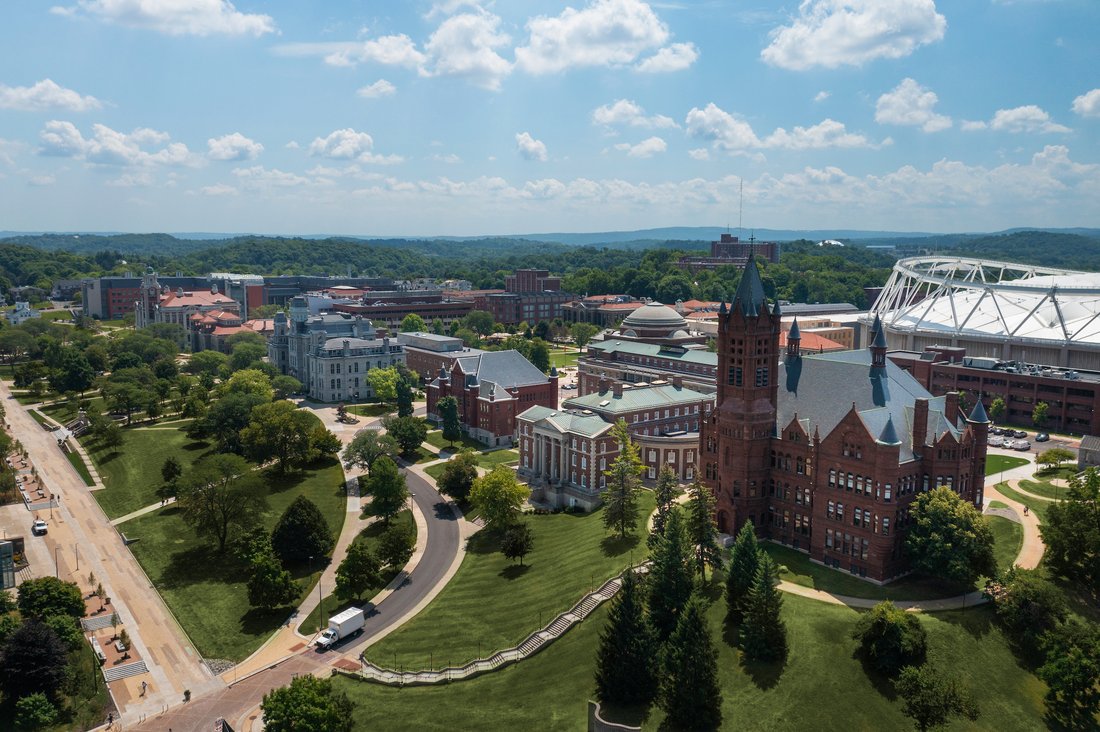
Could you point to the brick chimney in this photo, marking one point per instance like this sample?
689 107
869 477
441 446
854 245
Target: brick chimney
617 389
603 385
678 382
951 408
920 425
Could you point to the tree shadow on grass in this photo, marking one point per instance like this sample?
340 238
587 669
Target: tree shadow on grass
200 564
108 457
515 571
484 542
764 674
261 622
883 684
977 621
196 445
614 546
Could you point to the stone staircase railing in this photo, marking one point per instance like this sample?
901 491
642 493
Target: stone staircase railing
531 645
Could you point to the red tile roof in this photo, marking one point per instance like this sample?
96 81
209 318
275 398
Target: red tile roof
812 343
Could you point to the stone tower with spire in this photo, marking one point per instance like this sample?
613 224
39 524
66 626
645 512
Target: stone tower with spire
736 436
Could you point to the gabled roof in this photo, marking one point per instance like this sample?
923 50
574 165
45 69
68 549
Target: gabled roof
823 388
566 421
633 399
1090 442
507 369
687 355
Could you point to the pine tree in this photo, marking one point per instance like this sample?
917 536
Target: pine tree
763 633
744 561
689 693
404 399
623 481
624 661
702 530
665 491
670 578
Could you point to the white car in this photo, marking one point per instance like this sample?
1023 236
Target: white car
39 527
996 441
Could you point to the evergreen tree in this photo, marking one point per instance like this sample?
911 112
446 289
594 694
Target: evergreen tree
302 532
670 578
763 633
665 491
447 407
404 399
702 530
744 561
623 482
689 693
625 672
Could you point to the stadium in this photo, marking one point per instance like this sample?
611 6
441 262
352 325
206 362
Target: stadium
995 310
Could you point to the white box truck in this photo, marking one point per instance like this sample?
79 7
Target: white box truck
340 626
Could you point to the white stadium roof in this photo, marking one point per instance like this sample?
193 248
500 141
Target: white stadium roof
998 300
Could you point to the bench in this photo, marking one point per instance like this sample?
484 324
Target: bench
98 650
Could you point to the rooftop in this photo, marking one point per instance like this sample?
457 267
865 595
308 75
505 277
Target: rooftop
566 420
640 397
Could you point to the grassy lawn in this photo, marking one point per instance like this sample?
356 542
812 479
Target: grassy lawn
821 686
1039 507
560 358
497 603
998 504
435 438
490 460
372 410
331 604
996 463
68 409
131 472
1008 537
207 591
78 463
798 568
1042 485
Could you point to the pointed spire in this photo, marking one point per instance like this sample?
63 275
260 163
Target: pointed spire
553 371
794 341
795 334
889 435
880 338
749 296
775 310
978 414
722 308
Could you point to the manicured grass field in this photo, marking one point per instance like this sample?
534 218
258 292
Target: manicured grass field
822 686
372 410
81 468
131 472
207 591
801 571
497 603
998 504
490 460
435 438
1042 485
996 463
68 409
1036 505
1008 537
564 358
333 604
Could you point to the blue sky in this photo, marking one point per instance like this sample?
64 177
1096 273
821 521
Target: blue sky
460 117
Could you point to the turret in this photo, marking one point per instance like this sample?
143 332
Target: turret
794 341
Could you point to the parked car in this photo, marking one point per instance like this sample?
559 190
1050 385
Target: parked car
1019 434
996 441
1042 437
996 431
1021 445
39 527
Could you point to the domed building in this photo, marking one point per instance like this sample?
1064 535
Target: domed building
659 324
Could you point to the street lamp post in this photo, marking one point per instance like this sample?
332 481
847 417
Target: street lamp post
56 568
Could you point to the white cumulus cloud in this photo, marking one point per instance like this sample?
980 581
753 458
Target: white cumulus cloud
106 146
1088 104
530 148
393 50
347 144
465 46
716 125
726 132
380 88
603 33
175 17
233 147
45 94
821 96
644 149
629 112
834 33
911 104
1028 118
219 189
675 57
699 153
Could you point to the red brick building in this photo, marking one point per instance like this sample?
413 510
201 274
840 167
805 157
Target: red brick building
530 295
729 251
825 452
492 388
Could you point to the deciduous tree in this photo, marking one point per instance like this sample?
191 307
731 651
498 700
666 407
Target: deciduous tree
1028 605
997 409
367 447
890 638
218 497
358 572
308 703
280 431
35 712
518 541
1072 673
395 546
1070 532
498 496
42 597
410 432
383 384
413 323
387 489
949 538
269 585
582 333
458 476
34 660
1040 413
933 696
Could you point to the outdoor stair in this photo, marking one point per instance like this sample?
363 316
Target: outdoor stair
559 626
99 622
125 671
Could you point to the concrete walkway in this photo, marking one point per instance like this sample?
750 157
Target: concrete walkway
141 512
